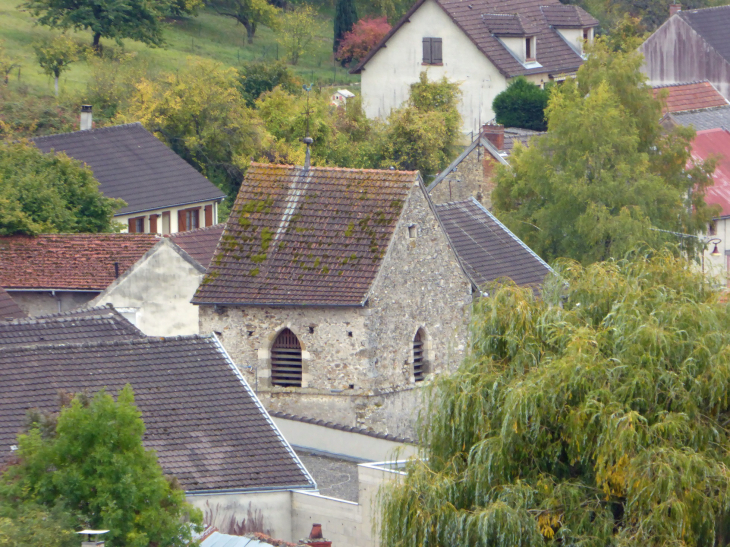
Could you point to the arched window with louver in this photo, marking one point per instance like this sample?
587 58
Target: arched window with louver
286 360
419 365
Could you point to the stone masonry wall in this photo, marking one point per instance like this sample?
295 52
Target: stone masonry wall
474 177
358 362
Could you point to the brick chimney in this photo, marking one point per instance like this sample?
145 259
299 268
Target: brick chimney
674 8
494 133
315 538
85 124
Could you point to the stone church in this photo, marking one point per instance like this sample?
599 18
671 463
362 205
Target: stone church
338 292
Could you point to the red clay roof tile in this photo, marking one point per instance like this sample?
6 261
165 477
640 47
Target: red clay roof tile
200 243
690 96
69 261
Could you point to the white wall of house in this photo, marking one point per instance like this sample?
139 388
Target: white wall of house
341 443
155 293
267 512
387 77
36 303
173 211
290 514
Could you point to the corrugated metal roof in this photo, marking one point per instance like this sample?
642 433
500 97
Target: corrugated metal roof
716 142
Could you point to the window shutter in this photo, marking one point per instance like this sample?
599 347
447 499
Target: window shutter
132 225
181 226
436 50
286 360
209 215
153 224
427 50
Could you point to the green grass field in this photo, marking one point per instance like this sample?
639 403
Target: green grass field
207 36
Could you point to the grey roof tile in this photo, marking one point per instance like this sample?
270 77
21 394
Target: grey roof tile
486 248
132 164
205 423
706 118
96 325
712 24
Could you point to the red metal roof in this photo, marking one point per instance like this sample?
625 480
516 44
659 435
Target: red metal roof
691 96
69 261
709 143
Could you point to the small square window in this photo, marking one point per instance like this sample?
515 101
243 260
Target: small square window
412 231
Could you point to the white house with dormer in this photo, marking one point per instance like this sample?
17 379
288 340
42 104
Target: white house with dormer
482 44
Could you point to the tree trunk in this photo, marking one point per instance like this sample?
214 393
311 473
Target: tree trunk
250 30
97 42
55 84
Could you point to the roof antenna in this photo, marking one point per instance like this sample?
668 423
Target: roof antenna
307 140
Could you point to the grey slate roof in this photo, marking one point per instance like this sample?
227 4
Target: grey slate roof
207 426
132 164
706 118
712 24
486 248
97 325
553 53
9 308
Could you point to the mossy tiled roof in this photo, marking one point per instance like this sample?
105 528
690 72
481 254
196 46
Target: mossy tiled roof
305 237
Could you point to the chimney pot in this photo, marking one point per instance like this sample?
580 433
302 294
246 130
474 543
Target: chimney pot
86 119
674 8
316 532
494 133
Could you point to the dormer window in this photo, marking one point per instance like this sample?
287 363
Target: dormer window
530 48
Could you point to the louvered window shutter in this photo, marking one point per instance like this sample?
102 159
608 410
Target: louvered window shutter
436 50
132 225
209 215
427 50
286 360
181 226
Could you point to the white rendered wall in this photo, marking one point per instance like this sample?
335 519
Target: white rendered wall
342 443
124 219
158 290
387 77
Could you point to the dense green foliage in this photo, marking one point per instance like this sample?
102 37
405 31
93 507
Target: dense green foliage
117 19
605 175
596 416
423 134
201 114
49 193
249 13
96 466
522 104
36 525
259 77
56 55
298 29
345 18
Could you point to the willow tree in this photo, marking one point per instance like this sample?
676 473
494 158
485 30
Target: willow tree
594 417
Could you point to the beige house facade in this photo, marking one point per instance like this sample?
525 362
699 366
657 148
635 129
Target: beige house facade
480 45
